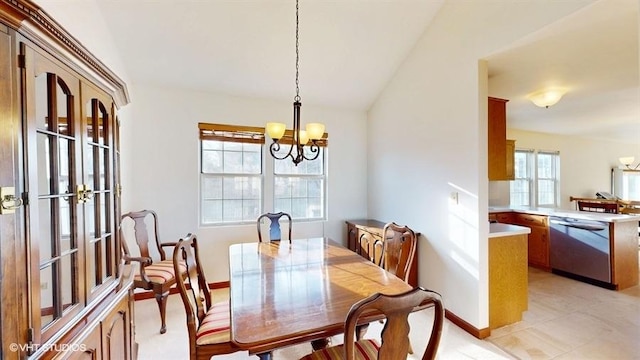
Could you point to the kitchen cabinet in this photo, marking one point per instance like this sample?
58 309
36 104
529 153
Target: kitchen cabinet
553 230
497 139
510 161
59 148
538 243
364 237
508 274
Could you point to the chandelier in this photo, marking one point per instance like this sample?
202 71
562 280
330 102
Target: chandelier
627 161
300 138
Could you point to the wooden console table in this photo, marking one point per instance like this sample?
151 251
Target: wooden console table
364 237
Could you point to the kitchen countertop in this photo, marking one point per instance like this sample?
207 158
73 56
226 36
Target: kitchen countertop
574 214
500 230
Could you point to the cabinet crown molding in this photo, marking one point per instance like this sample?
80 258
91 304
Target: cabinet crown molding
30 20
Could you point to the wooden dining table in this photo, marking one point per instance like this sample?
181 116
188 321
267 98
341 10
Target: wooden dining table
284 293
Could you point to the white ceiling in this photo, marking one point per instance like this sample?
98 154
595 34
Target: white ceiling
594 55
349 49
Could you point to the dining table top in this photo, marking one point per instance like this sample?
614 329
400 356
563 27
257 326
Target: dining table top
283 293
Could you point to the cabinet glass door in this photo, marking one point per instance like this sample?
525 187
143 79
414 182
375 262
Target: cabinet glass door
52 151
98 176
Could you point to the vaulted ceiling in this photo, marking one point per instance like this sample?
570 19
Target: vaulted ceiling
349 49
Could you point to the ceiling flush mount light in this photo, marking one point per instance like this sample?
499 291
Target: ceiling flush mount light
313 132
547 97
627 161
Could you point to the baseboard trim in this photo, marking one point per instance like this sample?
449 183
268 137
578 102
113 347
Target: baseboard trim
458 321
146 295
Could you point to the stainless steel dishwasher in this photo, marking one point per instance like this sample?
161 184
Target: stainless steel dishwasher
580 249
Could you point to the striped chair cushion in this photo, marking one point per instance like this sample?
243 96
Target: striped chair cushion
214 328
366 349
160 272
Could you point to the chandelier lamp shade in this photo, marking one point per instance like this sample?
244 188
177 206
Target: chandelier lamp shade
628 161
300 138
547 97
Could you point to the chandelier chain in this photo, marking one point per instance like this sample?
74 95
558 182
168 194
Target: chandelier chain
297 98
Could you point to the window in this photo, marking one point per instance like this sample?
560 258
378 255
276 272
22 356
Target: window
233 177
521 185
626 183
547 164
230 173
536 180
299 190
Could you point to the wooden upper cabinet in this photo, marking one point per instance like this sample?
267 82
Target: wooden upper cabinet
510 161
497 140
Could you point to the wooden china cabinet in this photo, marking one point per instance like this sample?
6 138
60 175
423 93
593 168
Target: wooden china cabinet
64 292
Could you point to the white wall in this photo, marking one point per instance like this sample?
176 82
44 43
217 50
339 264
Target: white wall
163 149
585 164
427 138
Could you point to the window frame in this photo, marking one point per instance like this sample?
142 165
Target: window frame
235 133
231 134
322 176
533 178
555 178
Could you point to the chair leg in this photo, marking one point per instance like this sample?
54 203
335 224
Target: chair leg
162 304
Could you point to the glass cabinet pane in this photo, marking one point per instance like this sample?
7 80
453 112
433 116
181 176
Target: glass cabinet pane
67 242
104 166
102 125
89 165
103 260
45 234
44 164
64 155
64 125
41 109
89 208
104 213
46 296
67 280
90 119
91 265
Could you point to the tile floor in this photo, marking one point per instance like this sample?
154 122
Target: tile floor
566 320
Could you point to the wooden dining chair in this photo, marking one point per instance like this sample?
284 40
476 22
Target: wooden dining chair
395 333
156 274
398 249
275 231
208 323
